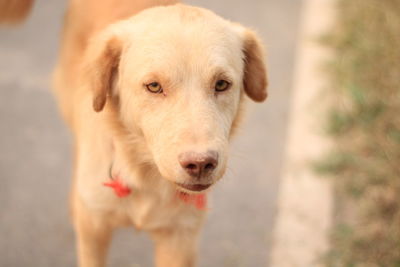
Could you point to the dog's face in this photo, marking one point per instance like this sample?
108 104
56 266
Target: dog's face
179 74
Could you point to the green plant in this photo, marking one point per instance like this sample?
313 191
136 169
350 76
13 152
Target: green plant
364 124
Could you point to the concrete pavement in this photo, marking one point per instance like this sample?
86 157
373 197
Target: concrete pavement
303 228
35 153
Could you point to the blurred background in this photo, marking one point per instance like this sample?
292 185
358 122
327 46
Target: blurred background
35 158
364 125
362 122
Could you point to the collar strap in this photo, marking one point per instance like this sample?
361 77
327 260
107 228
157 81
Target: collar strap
121 190
199 201
116 184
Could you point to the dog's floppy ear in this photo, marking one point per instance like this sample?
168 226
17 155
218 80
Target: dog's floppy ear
255 79
102 67
14 11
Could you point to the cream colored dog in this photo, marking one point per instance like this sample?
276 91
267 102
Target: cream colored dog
152 100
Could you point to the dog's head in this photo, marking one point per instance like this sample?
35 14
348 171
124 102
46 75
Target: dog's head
179 75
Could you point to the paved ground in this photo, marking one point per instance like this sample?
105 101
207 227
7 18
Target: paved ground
35 162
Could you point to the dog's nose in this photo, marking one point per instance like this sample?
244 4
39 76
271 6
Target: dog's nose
198 164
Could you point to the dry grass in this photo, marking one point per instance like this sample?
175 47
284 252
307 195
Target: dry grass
365 125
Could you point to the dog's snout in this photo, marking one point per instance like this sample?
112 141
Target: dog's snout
198 164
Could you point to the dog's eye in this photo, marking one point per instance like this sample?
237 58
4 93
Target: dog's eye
221 85
154 87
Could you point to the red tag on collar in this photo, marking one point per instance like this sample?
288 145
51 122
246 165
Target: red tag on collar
199 201
120 189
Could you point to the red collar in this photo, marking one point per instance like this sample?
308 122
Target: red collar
122 190
199 201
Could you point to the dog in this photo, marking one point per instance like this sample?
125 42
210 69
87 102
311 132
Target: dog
152 91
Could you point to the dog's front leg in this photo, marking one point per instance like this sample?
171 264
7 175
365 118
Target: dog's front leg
93 237
175 248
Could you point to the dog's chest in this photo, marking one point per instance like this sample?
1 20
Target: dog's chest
150 211
152 201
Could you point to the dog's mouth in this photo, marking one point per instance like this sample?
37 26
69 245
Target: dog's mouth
194 187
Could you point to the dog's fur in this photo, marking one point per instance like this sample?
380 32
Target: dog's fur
14 11
110 50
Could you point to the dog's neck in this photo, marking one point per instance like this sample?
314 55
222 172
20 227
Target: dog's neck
130 157
131 168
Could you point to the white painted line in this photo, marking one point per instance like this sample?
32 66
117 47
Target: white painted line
305 203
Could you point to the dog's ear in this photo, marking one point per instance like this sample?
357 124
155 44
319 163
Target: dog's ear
14 11
255 79
102 67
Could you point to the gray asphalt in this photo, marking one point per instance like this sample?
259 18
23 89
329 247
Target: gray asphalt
35 153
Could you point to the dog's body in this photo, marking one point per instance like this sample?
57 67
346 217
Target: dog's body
151 100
